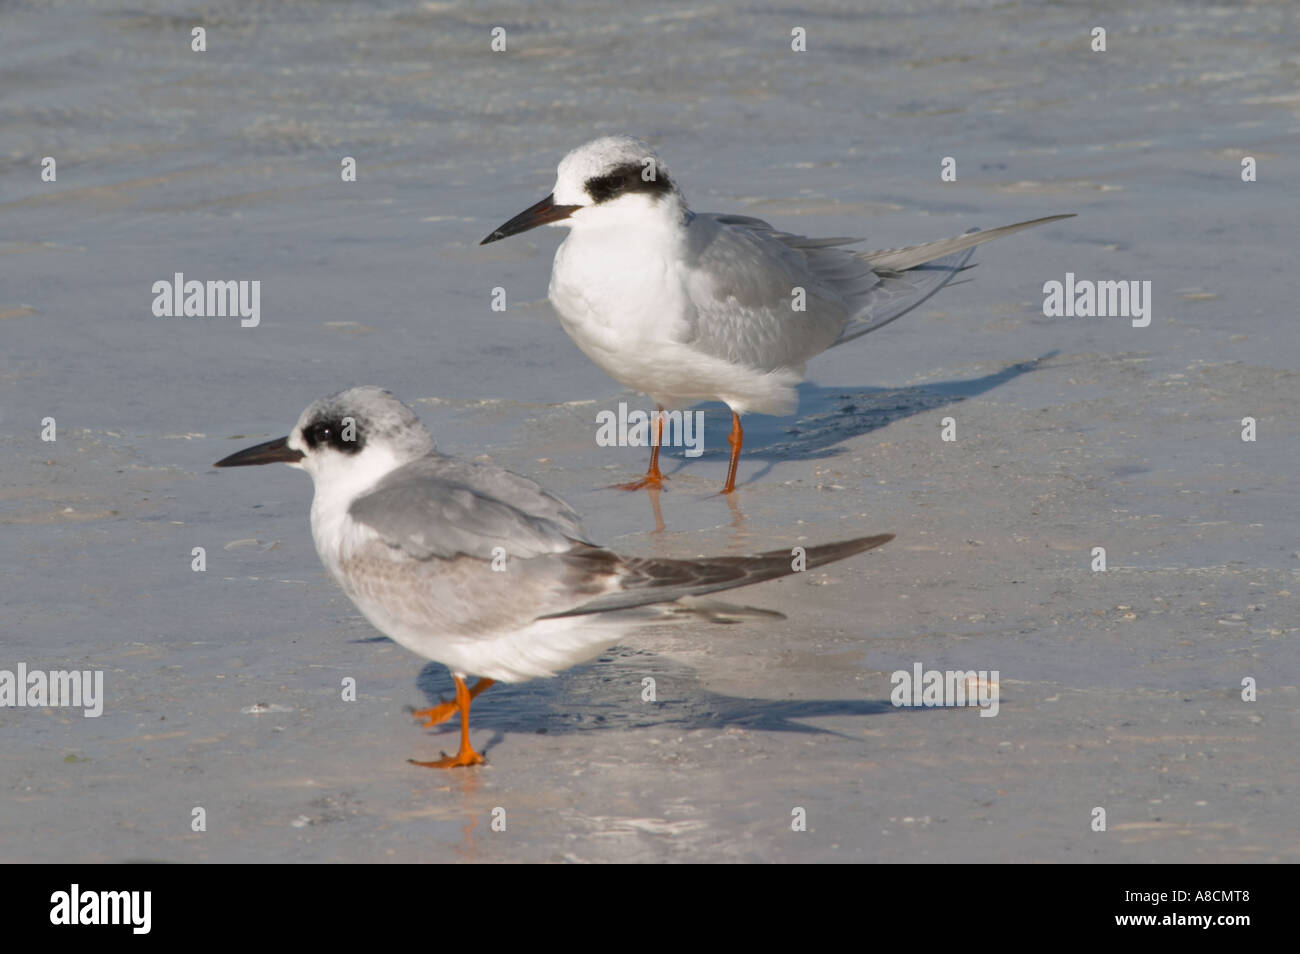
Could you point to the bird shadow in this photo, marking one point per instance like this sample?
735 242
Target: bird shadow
830 415
612 694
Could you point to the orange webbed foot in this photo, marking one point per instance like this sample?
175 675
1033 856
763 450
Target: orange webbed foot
648 482
440 713
435 715
462 759
653 479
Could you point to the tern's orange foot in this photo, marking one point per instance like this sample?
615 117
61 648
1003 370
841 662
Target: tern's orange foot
440 713
463 758
649 481
435 715
653 479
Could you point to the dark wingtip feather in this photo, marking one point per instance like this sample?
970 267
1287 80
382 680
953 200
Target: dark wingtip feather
663 581
830 552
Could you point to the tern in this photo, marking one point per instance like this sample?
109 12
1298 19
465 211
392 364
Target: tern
481 569
688 307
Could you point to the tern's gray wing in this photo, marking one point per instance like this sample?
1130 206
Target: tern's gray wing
742 280
443 507
897 293
746 272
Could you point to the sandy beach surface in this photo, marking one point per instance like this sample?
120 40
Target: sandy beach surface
1120 690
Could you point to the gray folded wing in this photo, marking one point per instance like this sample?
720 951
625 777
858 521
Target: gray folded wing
741 286
745 272
443 507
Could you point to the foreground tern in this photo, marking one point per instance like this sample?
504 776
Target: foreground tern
478 568
689 307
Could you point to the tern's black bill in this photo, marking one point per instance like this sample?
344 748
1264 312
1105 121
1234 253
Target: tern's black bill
533 216
272 452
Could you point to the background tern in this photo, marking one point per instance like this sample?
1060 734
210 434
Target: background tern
478 568
689 307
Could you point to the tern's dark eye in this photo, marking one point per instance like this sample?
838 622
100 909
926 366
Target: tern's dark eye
603 188
632 177
343 434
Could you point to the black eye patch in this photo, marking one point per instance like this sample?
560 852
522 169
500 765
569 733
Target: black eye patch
343 434
626 178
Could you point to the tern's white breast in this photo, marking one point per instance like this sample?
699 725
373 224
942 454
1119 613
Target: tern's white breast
623 296
619 290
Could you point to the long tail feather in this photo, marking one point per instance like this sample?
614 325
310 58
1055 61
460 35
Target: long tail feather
901 259
646 580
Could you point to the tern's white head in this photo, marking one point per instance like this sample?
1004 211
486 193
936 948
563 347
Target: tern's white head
609 182
346 441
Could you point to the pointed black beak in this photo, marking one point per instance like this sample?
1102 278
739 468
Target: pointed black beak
533 216
272 452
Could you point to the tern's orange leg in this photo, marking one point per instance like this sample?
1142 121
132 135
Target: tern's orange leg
735 439
652 478
443 711
466 755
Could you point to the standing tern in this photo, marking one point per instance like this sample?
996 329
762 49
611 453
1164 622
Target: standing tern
689 307
480 569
